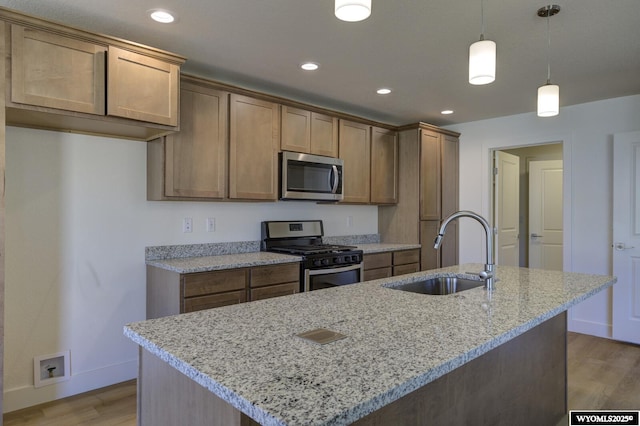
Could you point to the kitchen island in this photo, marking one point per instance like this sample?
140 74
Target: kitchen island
406 358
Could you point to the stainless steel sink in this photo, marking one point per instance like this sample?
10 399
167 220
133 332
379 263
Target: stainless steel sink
440 286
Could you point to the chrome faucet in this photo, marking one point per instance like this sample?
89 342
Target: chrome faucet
488 273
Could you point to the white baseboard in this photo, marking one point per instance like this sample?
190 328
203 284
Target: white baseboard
589 327
28 396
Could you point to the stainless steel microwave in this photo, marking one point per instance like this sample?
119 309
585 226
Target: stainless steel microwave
310 177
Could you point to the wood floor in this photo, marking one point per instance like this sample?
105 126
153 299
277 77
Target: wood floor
603 374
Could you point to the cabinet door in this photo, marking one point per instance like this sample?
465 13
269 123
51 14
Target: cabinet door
430 190
324 135
355 150
377 260
262 276
196 157
449 175
429 257
296 130
384 166
275 291
204 283
142 88
253 148
447 255
406 257
214 301
53 71
374 274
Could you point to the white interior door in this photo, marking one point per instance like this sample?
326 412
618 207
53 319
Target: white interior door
626 237
506 208
545 214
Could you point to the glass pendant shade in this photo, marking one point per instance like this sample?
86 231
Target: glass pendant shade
482 62
353 10
548 100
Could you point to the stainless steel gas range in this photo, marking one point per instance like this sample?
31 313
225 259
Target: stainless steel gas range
323 265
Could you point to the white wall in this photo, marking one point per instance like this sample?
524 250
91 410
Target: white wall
586 131
77 223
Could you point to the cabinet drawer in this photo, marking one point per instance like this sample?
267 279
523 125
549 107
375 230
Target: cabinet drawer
406 269
275 274
406 256
275 291
377 260
374 274
213 301
201 283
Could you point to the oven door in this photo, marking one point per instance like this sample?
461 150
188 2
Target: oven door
316 279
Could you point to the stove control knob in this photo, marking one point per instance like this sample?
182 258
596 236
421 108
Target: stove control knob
347 258
325 261
336 260
317 262
355 258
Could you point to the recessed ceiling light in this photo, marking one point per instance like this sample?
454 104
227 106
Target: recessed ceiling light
309 66
383 91
446 111
162 16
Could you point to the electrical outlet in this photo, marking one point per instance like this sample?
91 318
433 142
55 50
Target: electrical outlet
211 224
187 225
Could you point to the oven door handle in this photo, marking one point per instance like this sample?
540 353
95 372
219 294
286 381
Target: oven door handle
325 271
334 179
310 272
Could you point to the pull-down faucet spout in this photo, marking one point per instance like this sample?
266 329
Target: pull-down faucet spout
487 274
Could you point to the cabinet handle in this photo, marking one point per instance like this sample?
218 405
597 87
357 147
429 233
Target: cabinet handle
536 236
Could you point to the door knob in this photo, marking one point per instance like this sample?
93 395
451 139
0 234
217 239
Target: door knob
536 236
622 246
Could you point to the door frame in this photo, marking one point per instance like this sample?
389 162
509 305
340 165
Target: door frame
567 211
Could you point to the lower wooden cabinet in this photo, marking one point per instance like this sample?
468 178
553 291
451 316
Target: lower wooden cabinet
406 262
377 265
274 280
172 293
388 264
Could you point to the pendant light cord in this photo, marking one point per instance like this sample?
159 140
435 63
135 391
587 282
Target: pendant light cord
481 20
548 47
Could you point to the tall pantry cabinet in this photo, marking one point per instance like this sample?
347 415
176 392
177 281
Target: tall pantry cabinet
428 193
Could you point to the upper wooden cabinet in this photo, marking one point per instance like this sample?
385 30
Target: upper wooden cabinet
254 136
142 88
438 175
309 132
355 151
428 193
54 71
63 78
192 164
384 166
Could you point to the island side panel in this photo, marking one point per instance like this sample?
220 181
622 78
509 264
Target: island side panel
522 382
166 397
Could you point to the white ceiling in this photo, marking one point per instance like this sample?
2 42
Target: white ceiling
419 48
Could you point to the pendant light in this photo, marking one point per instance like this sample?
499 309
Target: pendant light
482 57
548 94
353 10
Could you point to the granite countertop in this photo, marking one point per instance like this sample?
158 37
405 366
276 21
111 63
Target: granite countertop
382 247
187 265
249 354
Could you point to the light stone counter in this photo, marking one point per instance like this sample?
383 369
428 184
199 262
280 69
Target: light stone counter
382 247
226 261
396 342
